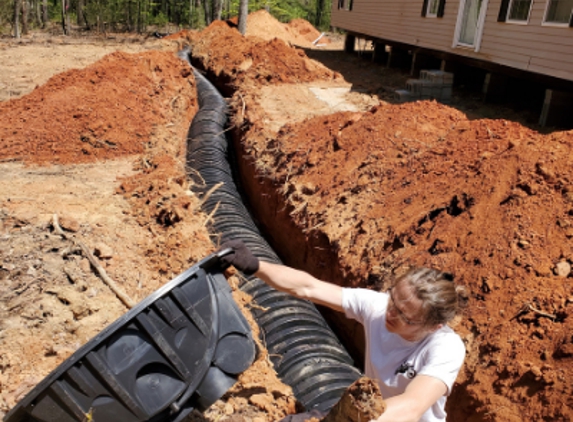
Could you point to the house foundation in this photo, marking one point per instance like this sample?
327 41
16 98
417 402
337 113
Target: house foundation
422 61
381 54
557 109
399 57
495 87
349 43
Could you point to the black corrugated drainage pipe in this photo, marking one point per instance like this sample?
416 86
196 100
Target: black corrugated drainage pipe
305 352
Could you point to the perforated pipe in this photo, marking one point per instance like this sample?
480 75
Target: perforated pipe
305 352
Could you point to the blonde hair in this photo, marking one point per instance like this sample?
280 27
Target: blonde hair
441 298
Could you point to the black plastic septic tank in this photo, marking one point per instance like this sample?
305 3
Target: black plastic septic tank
179 349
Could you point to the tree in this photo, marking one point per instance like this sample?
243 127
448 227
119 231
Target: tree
80 12
17 8
243 12
25 16
65 18
44 13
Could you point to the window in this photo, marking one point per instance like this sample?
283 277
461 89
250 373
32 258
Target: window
519 10
345 4
559 11
433 8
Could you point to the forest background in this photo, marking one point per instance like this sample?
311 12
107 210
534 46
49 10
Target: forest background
18 17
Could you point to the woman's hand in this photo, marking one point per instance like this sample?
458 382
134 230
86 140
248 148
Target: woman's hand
241 257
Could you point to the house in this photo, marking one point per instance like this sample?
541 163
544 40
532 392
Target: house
525 39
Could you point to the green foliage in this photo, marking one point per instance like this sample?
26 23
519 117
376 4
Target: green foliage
6 15
137 15
160 20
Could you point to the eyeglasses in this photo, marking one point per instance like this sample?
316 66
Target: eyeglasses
392 305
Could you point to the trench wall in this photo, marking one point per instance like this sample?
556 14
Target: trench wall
309 251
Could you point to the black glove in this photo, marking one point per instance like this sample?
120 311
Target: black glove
241 257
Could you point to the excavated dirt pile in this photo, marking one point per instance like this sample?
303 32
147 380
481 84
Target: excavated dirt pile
105 111
357 197
252 61
298 32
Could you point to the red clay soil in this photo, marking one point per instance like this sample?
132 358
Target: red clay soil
234 59
419 184
299 32
106 110
489 201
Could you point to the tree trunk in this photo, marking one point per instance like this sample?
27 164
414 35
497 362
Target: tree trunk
80 13
44 13
25 14
243 13
17 7
207 11
362 401
190 13
64 17
37 6
217 9
319 13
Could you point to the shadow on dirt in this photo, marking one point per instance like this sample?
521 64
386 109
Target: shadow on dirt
370 77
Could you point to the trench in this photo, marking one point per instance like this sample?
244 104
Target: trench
304 350
322 366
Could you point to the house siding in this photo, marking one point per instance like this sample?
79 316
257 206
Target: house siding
533 47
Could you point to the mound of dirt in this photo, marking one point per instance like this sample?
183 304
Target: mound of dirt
106 110
305 29
234 59
300 32
419 184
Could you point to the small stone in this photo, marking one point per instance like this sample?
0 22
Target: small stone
103 251
562 269
69 223
543 269
569 232
309 189
85 266
568 193
262 401
524 244
535 371
229 409
546 173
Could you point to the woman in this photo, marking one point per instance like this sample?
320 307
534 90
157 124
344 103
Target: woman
410 350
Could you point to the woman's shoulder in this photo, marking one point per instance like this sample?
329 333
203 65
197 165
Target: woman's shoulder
446 337
364 301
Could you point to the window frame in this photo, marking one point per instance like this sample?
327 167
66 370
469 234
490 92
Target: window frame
516 21
429 14
439 11
345 5
544 22
480 27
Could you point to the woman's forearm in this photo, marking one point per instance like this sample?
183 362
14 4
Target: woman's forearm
300 284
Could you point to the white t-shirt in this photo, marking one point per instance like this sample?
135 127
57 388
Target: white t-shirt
393 361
